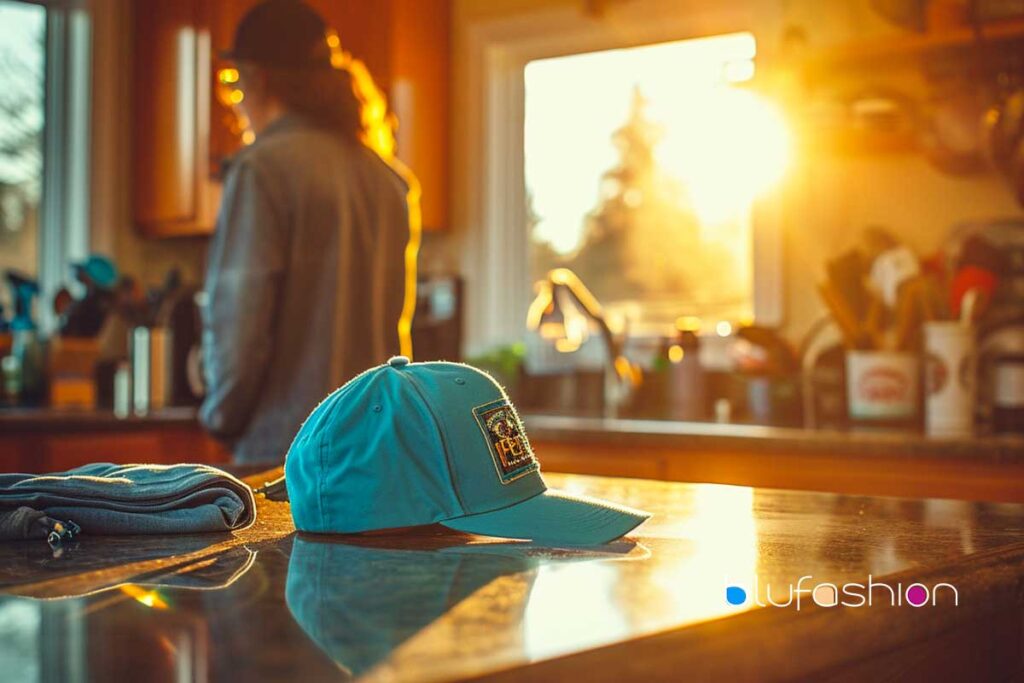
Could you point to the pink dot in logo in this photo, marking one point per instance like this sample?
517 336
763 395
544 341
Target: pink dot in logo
917 595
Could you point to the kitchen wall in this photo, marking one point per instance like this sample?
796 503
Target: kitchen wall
829 198
836 198
832 197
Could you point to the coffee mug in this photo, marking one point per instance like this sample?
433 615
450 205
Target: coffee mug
882 385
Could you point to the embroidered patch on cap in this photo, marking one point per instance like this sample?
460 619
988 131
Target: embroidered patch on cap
509 446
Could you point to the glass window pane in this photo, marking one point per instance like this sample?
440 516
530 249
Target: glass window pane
642 166
22 78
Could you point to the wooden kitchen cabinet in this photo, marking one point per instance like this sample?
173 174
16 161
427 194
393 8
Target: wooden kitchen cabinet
51 440
182 133
174 194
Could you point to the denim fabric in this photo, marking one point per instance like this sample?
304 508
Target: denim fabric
104 498
24 522
304 284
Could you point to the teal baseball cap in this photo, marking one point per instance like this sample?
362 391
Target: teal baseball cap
409 444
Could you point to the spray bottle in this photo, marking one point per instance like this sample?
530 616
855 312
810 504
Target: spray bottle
23 376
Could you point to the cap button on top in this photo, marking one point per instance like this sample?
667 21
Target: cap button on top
398 361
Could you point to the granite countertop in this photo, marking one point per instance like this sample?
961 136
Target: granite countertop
710 436
429 604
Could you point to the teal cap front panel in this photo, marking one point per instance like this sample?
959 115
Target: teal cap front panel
370 456
460 396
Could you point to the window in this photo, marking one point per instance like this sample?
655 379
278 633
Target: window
44 141
22 103
642 167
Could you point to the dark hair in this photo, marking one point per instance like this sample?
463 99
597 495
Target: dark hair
325 96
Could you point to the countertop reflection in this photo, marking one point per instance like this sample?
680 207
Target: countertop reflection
268 604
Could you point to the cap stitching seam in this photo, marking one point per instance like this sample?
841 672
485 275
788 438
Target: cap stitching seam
441 433
323 476
503 507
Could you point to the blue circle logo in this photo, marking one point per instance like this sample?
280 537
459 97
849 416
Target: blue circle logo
735 595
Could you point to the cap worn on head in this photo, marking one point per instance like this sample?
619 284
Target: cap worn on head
407 444
286 34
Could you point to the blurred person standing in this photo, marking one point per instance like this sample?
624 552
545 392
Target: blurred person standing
306 276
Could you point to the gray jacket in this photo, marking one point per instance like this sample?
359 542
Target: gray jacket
304 284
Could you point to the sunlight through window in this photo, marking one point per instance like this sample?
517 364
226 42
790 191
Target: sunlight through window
642 166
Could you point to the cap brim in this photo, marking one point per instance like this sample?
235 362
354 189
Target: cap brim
555 518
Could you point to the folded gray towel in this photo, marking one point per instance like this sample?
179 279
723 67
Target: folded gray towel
103 498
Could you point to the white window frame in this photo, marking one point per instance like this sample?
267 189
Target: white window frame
489 211
64 212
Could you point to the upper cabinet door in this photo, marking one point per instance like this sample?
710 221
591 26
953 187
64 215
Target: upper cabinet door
174 194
